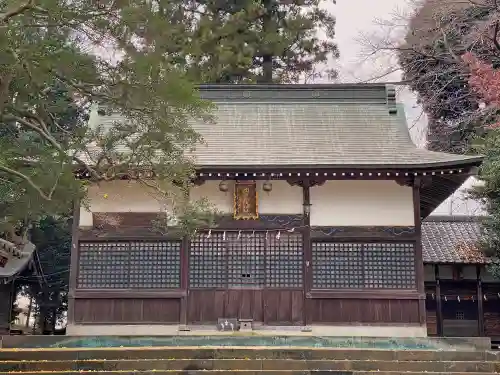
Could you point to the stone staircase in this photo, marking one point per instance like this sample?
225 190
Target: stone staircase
246 360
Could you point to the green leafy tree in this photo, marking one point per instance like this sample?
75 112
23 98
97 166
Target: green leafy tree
55 64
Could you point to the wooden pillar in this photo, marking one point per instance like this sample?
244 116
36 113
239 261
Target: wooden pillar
480 310
184 280
418 249
73 269
183 319
439 308
306 238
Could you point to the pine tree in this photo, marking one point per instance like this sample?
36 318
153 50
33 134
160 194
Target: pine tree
249 41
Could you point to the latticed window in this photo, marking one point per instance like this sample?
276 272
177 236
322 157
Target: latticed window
245 260
207 261
284 262
363 265
129 265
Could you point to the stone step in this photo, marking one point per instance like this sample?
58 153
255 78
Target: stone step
246 353
250 364
246 372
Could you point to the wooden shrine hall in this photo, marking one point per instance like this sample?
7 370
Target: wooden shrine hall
321 193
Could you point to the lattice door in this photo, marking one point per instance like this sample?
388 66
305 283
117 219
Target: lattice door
246 260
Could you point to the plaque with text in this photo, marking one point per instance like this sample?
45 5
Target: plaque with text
245 201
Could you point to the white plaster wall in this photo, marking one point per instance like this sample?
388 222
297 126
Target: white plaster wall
120 196
131 196
362 203
283 199
223 202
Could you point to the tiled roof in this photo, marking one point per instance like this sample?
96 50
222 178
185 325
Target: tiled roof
312 125
451 240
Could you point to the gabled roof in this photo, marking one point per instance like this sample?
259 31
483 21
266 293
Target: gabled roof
313 126
452 240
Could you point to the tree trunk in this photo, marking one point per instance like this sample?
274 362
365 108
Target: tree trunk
28 315
53 311
5 307
43 311
267 58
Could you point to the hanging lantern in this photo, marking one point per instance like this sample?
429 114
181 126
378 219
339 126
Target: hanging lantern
267 186
223 186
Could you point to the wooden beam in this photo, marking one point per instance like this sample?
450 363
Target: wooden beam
480 310
128 294
439 307
366 294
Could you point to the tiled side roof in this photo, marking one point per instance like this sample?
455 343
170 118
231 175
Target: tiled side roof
451 240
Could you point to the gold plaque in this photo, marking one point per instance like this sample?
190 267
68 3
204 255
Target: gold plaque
245 200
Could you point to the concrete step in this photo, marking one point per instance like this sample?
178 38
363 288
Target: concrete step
246 372
246 353
251 364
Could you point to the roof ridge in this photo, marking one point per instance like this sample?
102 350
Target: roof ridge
290 86
379 94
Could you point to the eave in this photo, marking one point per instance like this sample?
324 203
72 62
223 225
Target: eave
441 179
466 162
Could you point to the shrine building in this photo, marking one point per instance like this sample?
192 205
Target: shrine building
322 195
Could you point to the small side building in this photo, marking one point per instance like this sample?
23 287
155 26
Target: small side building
322 193
13 260
462 297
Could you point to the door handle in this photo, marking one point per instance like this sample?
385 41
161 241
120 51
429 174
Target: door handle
307 263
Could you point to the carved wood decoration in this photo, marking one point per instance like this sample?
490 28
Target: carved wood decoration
305 182
245 201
